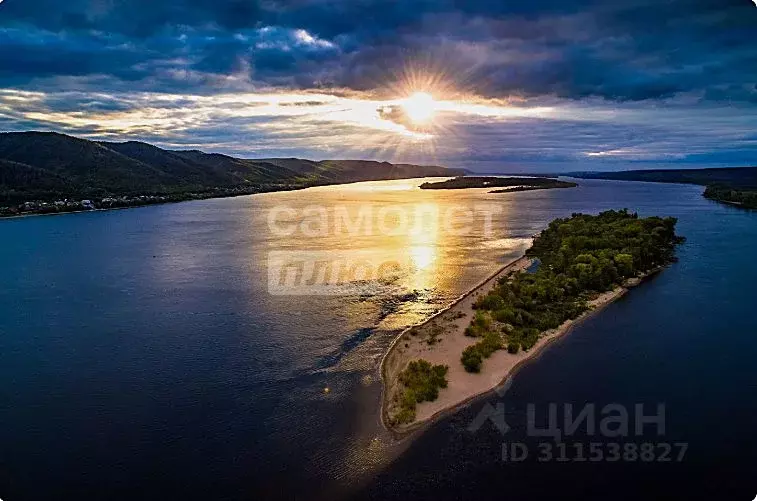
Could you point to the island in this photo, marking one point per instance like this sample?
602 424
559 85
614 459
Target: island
575 266
511 184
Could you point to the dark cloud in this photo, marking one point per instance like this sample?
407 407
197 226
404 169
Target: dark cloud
31 54
614 65
395 114
131 17
625 50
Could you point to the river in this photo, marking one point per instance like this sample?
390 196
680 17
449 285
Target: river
150 353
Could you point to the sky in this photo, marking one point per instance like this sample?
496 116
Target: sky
493 86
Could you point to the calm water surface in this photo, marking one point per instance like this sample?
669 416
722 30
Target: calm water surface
142 355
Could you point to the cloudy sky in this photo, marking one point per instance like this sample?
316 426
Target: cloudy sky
491 85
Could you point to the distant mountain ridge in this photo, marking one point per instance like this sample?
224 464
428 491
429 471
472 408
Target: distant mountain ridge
732 177
731 185
49 165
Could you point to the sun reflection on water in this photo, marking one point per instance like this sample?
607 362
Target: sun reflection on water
423 257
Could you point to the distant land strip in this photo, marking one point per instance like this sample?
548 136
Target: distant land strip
735 186
510 183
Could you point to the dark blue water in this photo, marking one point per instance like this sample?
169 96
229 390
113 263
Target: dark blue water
142 356
687 339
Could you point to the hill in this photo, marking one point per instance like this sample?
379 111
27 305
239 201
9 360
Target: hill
84 166
47 166
732 177
345 171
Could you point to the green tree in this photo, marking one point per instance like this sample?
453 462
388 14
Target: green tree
625 264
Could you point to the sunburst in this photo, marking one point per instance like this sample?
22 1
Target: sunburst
419 107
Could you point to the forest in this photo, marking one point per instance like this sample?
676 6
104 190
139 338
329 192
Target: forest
579 257
742 198
45 167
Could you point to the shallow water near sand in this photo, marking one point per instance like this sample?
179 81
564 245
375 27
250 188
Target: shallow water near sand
142 354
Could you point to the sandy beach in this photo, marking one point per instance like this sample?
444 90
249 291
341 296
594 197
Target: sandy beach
441 340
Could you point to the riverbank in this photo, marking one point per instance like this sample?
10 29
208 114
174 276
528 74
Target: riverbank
67 206
441 339
743 198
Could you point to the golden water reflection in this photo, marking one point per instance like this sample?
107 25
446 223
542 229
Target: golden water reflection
445 241
432 240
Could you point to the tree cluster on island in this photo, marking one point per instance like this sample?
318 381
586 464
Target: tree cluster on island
579 257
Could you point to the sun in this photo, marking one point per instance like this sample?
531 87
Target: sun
419 107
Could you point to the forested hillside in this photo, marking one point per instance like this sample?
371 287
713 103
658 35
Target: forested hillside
47 166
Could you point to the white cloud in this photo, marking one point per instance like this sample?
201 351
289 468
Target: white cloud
493 134
277 37
306 38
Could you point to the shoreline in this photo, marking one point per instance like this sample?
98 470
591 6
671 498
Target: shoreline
496 370
386 391
150 203
199 197
532 188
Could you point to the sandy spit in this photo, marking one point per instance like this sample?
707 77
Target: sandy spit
447 327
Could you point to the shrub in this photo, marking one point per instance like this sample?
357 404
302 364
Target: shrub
513 347
404 416
505 315
472 331
423 379
529 339
490 302
491 343
473 356
483 320
421 382
471 359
